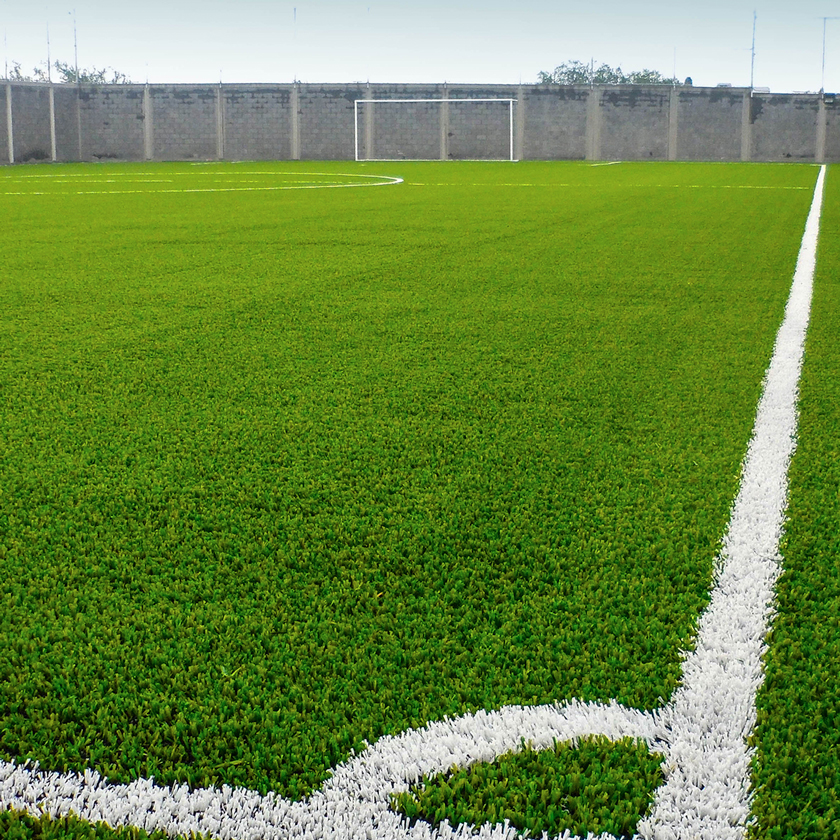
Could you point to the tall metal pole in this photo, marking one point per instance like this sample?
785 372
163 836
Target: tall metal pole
752 58
75 48
5 42
822 80
49 59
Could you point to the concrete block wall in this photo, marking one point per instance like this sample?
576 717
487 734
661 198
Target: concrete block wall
783 127
482 130
66 115
111 123
327 120
31 123
316 122
552 122
256 122
5 151
401 130
710 123
185 122
832 128
634 122
478 132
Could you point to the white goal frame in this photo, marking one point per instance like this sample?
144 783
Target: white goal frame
440 101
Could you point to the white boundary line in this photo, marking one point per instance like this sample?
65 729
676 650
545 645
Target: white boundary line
702 731
580 186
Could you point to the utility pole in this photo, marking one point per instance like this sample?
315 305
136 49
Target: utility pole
752 55
822 80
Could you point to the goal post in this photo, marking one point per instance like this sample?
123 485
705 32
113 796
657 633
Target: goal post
434 129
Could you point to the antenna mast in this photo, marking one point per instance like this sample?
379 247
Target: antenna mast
822 80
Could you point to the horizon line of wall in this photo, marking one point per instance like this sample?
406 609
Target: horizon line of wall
67 123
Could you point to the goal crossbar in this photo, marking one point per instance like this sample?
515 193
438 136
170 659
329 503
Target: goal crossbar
439 101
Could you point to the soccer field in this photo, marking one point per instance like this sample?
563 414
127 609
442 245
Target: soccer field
294 457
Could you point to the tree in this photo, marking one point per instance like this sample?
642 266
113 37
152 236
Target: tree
17 75
66 74
649 77
578 73
94 76
568 73
606 75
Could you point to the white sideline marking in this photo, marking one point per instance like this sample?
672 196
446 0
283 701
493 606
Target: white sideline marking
701 731
613 186
607 163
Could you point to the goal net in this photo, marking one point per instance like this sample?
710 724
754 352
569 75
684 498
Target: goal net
434 129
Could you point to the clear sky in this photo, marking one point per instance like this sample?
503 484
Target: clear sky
497 41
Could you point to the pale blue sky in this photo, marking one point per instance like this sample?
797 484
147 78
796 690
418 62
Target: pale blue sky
497 41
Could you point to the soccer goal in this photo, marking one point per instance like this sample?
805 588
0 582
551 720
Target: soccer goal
435 129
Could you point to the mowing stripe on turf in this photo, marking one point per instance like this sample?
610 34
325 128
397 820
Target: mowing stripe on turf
702 731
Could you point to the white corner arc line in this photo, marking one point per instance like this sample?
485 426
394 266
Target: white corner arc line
702 731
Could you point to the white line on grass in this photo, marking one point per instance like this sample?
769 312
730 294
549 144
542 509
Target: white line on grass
128 176
630 186
702 731
705 725
373 181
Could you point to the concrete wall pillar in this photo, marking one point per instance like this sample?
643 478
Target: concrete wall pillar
822 125
79 123
148 124
746 127
593 124
53 149
368 118
444 124
294 104
220 123
673 123
10 136
519 134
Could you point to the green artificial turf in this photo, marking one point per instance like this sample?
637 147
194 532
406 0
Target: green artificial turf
15 826
797 766
285 471
596 786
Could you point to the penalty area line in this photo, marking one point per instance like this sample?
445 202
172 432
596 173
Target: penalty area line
370 181
207 189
